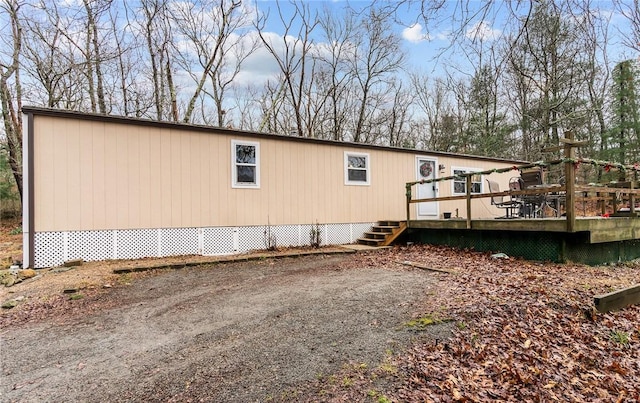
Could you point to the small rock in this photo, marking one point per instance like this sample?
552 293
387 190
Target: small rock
74 262
19 298
499 256
26 273
7 278
107 286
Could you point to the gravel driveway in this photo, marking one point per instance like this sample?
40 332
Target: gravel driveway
237 332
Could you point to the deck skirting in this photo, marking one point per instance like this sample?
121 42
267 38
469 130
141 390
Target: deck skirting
561 247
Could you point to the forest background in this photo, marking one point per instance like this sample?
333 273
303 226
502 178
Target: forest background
494 78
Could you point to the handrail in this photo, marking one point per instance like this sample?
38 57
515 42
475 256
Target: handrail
569 188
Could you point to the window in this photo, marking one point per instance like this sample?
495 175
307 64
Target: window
460 185
356 169
245 168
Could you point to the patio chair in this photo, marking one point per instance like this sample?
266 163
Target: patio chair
531 177
511 205
533 205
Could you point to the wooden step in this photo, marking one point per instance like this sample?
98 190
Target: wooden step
376 235
370 241
383 233
383 228
389 223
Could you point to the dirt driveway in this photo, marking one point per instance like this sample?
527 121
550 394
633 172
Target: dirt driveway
236 332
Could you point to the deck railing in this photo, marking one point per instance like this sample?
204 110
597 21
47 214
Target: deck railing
613 194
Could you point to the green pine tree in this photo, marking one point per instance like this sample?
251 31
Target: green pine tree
622 143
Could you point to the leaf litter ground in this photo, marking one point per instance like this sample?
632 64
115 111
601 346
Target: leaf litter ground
525 331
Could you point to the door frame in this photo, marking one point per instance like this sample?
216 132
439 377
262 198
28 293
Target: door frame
436 205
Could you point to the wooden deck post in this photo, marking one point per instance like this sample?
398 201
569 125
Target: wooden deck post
632 198
469 177
570 180
408 194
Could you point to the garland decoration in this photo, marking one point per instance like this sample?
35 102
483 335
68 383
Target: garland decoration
606 165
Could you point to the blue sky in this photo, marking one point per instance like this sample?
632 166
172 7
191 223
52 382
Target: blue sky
428 47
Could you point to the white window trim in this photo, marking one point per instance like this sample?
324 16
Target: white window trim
347 182
466 170
234 166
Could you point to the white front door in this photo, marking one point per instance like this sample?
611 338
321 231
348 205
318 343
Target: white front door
426 169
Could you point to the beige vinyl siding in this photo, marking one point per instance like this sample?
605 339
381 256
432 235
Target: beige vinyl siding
98 175
479 207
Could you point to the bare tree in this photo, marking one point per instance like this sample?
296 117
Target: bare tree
247 107
94 54
595 37
271 107
333 67
11 90
50 60
292 55
395 119
433 98
631 11
124 43
156 30
216 32
376 58
549 60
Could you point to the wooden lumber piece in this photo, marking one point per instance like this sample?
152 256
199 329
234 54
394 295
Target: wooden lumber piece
617 299
423 267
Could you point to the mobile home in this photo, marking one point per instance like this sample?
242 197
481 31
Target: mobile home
101 187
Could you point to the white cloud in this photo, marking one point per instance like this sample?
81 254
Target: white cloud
260 66
482 31
415 34
444 36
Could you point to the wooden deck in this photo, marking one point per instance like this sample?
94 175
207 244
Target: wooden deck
599 229
610 232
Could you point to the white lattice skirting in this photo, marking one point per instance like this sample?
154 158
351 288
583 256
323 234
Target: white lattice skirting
54 248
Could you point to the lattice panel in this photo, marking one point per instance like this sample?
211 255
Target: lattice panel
48 249
137 243
358 230
54 248
178 241
250 238
305 234
337 234
218 241
90 245
287 235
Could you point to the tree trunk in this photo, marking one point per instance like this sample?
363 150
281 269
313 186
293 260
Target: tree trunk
11 114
